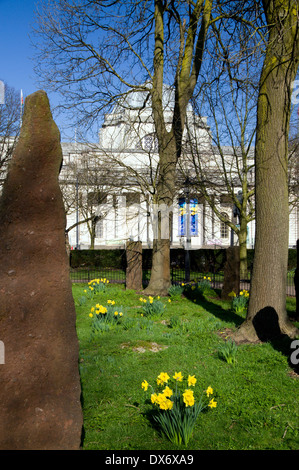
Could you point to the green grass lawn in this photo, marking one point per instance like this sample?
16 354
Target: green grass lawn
257 396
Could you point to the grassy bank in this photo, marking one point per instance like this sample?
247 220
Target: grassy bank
257 395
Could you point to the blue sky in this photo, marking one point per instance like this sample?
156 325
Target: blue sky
16 51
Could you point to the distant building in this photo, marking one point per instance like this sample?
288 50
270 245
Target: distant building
108 186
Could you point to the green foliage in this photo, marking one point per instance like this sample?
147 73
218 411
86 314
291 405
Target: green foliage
176 408
97 286
103 317
204 284
152 307
175 291
228 352
239 302
175 322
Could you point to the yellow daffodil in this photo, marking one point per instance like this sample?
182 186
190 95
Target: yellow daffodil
116 313
212 403
191 380
154 397
101 309
188 398
162 378
144 385
169 300
166 404
209 391
91 315
232 294
178 376
167 392
120 314
163 402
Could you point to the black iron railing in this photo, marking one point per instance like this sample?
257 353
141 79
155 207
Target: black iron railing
177 277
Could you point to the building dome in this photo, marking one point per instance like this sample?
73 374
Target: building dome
139 99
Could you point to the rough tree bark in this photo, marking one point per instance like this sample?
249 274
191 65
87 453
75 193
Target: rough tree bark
267 316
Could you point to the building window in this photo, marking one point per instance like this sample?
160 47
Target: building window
132 198
100 228
193 211
224 232
149 143
95 198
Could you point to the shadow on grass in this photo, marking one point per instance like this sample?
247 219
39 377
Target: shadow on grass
150 414
280 342
286 346
217 310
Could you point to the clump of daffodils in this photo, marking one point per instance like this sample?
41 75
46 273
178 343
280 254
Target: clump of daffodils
177 405
175 291
239 302
98 285
104 315
204 285
151 306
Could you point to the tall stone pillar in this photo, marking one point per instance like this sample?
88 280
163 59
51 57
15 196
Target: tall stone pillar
296 281
40 389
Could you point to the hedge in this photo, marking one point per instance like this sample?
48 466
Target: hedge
202 260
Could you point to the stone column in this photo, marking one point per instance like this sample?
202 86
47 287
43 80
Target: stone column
40 384
296 282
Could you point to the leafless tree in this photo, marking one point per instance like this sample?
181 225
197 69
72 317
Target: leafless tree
96 52
10 117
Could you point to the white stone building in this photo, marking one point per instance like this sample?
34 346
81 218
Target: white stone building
108 187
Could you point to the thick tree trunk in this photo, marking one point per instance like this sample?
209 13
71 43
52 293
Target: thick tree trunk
267 316
160 280
188 67
160 273
242 236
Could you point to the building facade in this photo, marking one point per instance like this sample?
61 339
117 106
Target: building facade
109 187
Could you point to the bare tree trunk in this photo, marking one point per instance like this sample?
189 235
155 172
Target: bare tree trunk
160 279
242 236
267 316
170 141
